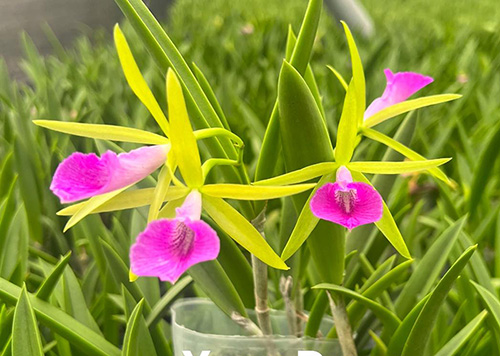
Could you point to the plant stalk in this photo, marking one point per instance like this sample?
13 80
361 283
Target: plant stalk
342 325
260 282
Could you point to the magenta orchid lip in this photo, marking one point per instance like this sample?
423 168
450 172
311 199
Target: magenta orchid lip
347 203
168 247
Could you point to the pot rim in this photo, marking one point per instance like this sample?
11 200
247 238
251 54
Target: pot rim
198 334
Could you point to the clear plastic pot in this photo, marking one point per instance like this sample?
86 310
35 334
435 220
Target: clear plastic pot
198 325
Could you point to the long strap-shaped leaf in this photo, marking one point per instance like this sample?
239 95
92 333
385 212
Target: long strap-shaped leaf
241 230
387 317
136 80
406 106
26 338
458 341
386 224
421 331
299 58
76 333
429 268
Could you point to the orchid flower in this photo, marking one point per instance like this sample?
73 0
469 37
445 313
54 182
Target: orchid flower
347 203
184 238
400 86
168 247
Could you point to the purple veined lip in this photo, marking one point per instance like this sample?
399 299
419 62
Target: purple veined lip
347 203
81 176
400 86
169 247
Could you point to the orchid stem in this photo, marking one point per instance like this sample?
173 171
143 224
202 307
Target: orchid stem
342 325
286 284
260 282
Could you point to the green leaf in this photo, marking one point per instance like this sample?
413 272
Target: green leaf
50 282
214 282
387 317
406 106
458 341
127 200
301 175
398 338
61 323
249 192
486 162
137 340
184 146
241 231
421 331
347 129
25 335
307 34
358 76
356 312
104 132
303 130
405 151
306 223
136 80
396 167
386 224
160 308
428 269
492 304
299 57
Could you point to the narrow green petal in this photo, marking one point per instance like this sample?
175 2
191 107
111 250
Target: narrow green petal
348 127
250 192
300 175
406 106
339 77
405 151
396 167
127 200
242 231
103 132
386 224
136 80
90 205
358 75
161 189
306 223
183 140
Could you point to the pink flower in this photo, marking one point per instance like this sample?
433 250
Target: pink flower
82 176
400 86
169 247
347 203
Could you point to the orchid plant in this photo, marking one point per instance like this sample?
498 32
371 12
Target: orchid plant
186 212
